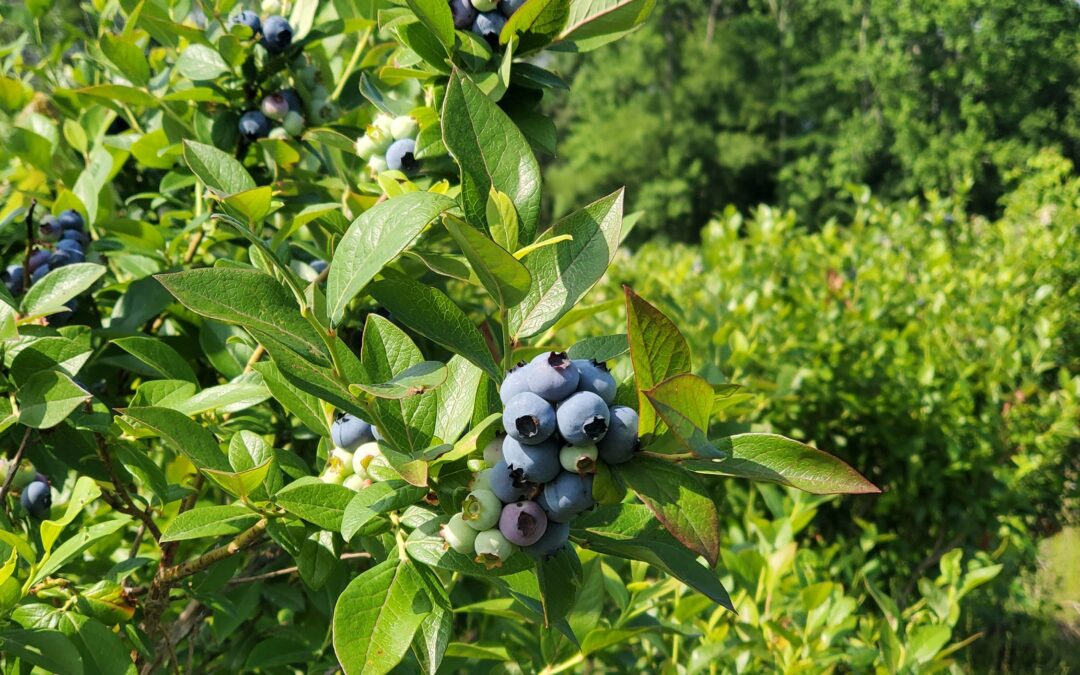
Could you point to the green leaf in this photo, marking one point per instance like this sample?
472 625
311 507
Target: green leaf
240 483
128 58
378 498
377 615
600 348
247 298
58 286
253 205
243 392
537 22
50 353
429 311
679 500
595 22
504 277
684 402
319 503
412 381
199 62
492 153
925 642
219 170
102 650
435 14
79 542
776 459
297 402
210 521
306 377
47 398
158 355
375 238
502 220
84 492
631 531
182 434
456 399
657 349
562 274
47 649
119 92
559 578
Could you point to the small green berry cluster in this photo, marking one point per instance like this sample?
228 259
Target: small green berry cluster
389 143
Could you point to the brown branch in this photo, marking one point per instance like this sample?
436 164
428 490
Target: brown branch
30 241
127 504
13 468
244 540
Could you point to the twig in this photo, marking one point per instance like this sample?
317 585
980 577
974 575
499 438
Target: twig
244 540
129 506
290 570
29 244
13 468
255 356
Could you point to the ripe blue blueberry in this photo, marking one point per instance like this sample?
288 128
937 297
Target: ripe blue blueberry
515 382
292 99
319 266
13 278
488 25
481 510
74 235
40 272
568 495
254 125
464 13
502 485
69 245
621 440
529 419
583 418
274 106
349 432
596 378
554 538
531 463
60 258
492 548
37 499
37 259
71 220
246 18
508 7
49 229
62 317
523 523
399 156
553 376
277 34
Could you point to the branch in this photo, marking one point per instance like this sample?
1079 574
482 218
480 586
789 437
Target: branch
29 244
290 570
13 468
127 504
245 539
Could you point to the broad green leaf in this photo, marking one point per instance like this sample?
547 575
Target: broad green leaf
219 170
680 501
240 483
210 521
559 578
925 642
242 393
50 353
492 153
562 274
504 277
379 498
102 650
374 239
684 402
456 398
776 459
317 559
200 62
158 355
120 92
253 205
319 503
82 540
435 14
84 492
306 377
182 434
595 22
657 349
599 348
50 650
537 23
412 381
377 615
248 298
128 58
432 638
502 220
58 286
429 311
297 402
47 398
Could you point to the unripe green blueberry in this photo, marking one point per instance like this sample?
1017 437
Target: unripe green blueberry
383 122
286 616
365 147
341 461
493 451
377 164
404 126
485 5
357 482
279 134
481 510
492 548
293 124
24 476
380 138
481 480
458 534
332 477
363 456
580 459
476 465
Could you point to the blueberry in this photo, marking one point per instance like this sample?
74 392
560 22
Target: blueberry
399 156
552 375
488 25
319 266
492 548
481 510
75 236
508 7
277 34
515 382
376 433
523 523
39 273
13 278
583 418
365 147
529 419
292 99
274 106
377 164
38 258
254 125
356 482
596 378
554 538
340 461
246 18
493 451
464 13
333 477
69 245
49 229
579 458
566 496
364 455
349 432
71 220
403 126
531 463
459 535
502 484
37 499
621 440
60 258
293 124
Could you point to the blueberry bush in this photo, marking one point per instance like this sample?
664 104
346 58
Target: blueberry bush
284 348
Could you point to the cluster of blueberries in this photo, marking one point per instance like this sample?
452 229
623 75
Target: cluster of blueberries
559 421
355 461
389 143
275 34
486 18
36 495
283 107
64 237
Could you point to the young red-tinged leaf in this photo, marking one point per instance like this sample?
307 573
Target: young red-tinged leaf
776 459
657 349
680 502
684 402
